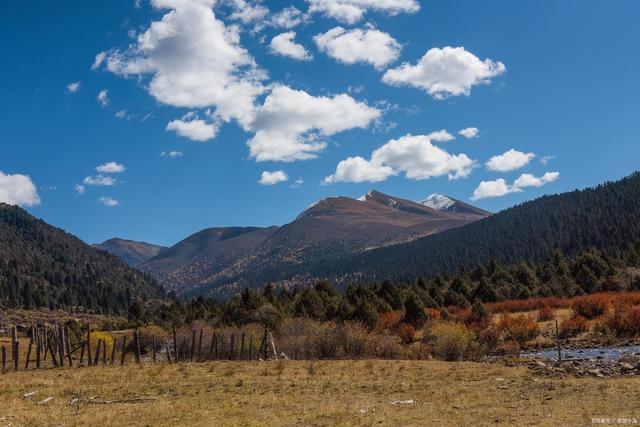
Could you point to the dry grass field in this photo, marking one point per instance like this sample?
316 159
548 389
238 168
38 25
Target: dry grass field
311 393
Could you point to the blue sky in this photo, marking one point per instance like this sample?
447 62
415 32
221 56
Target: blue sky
554 78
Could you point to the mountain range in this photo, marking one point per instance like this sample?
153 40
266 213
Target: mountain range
131 252
327 230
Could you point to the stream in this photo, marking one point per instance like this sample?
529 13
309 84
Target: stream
608 353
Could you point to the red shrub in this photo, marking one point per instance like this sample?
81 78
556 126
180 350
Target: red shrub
545 313
432 314
518 328
406 332
625 320
389 320
592 306
573 326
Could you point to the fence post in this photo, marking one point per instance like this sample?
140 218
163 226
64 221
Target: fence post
97 356
136 337
154 349
104 352
124 349
113 351
232 352
193 345
176 357
558 341
26 364
61 340
89 358
4 360
14 340
242 347
200 346
251 347
16 361
68 343
38 352
166 343
82 353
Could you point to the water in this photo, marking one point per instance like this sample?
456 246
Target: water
609 353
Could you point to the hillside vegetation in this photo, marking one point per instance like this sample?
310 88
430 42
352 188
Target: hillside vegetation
42 266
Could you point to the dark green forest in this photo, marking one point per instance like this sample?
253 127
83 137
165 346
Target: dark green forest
42 266
588 272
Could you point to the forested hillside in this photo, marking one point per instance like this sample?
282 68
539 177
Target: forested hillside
42 266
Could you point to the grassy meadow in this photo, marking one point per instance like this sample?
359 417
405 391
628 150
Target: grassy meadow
283 393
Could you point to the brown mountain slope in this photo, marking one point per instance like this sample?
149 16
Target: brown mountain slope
329 228
133 253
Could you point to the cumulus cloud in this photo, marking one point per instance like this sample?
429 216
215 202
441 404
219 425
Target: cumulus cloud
441 136
528 180
122 114
413 155
289 17
509 161
367 45
194 128
108 201
79 188
290 124
111 167
499 187
18 190
469 133
103 97
351 11
73 87
99 60
451 71
248 12
284 45
193 60
100 180
273 178
172 154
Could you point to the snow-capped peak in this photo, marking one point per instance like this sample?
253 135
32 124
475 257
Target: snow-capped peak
366 196
438 202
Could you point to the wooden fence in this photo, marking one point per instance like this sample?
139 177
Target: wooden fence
51 347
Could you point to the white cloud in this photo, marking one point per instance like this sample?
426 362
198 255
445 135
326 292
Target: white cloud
528 180
100 180
248 12
122 114
545 159
272 178
137 4
445 72
290 123
509 161
288 17
73 87
99 60
103 97
111 167
283 44
172 154
499 187
18 190
195 128
108 201
298 183
441 136
351 11
193 61
496 188
79 188
415 156
469 133
358 169
359 45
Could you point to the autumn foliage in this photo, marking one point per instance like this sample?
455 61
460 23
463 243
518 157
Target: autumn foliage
573 326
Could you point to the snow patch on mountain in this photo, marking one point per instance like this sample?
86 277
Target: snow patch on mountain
438 202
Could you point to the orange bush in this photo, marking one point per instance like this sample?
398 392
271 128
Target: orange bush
625 320
592 306
531 304
389 320
573 326
432 314
545 313
406 332
518 328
